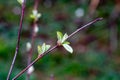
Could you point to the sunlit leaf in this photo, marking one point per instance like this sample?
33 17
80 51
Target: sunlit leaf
39 49
43 47
68 48
66 42
20 1
47 47
32 16
64 37
59 36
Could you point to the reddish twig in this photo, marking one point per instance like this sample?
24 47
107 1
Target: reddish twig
34 62
18 40
51 49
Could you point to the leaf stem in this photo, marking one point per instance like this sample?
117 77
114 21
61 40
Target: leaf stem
18 40
40 56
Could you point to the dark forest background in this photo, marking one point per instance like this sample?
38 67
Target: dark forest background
96 49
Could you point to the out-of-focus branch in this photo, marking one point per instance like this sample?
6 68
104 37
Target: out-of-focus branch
34 33
113 26
93 6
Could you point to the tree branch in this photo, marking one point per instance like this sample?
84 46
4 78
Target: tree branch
18 40
43 54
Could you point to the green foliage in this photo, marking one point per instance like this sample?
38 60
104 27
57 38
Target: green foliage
59 36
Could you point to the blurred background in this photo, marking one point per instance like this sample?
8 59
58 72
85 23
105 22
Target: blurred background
96 49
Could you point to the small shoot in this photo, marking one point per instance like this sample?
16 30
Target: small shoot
42 49
20 1
35 15
62 41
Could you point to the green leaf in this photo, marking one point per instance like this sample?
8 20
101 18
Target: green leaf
32 16
39 49
66 42
20 1
38 15
68 48
43 47
47 47
59 36
64 37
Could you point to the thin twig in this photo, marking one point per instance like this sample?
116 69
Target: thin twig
18 40
40 56
79 29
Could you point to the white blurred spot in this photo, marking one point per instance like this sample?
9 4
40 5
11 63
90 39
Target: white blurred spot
35 12
30 70
36 29
16 10
79 12
22 1
28 46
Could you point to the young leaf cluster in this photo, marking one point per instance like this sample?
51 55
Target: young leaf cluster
42 49
35 15
62 41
